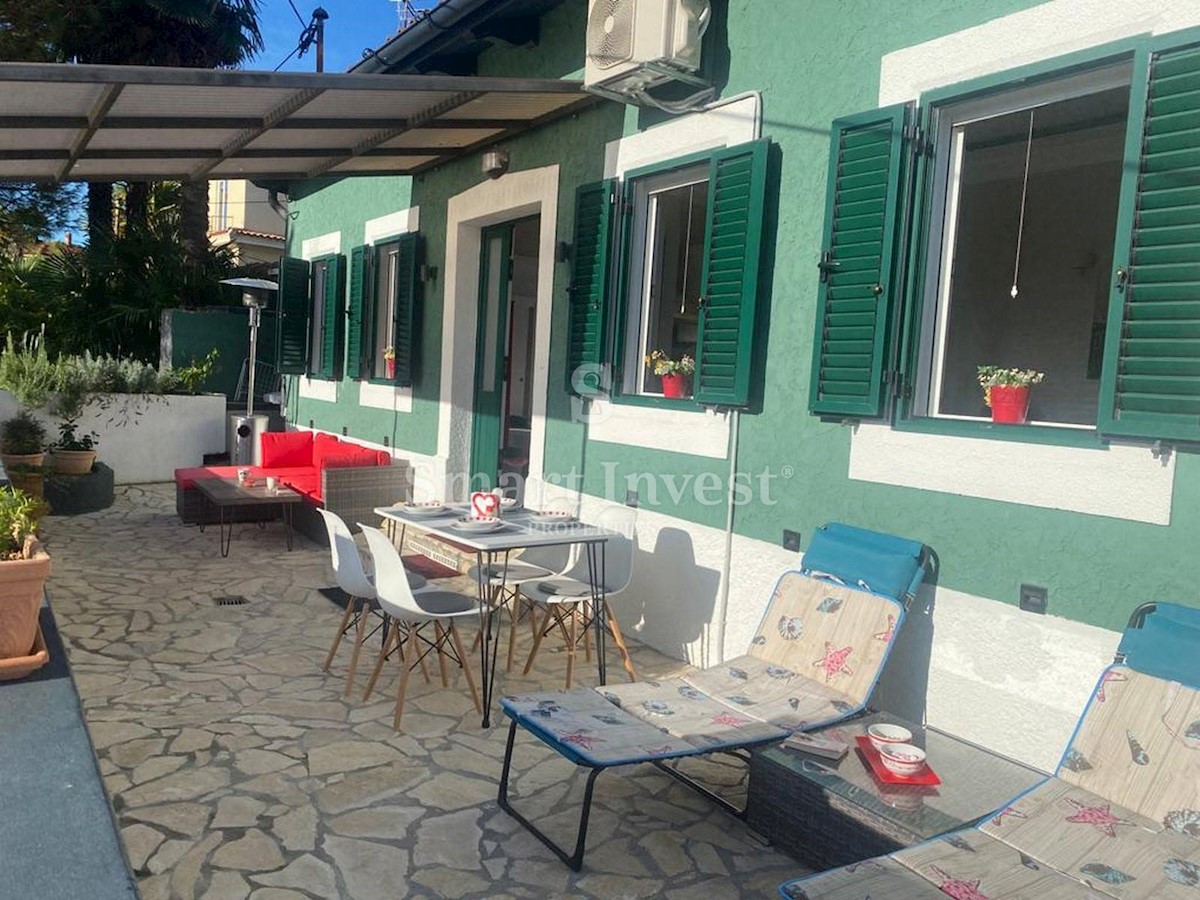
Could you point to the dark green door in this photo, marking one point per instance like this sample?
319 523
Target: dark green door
495 280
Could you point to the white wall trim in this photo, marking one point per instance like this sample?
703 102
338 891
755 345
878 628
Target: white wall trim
1042 32
515 195
383 396
1122 482
660 429
404 221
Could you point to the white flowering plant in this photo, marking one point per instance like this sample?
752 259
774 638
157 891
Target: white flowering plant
661 364
998 376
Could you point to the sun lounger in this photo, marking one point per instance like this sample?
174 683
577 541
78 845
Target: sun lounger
1120 817
818 652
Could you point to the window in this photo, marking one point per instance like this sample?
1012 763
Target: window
380 313
685 269
1049 225
666 256
312 316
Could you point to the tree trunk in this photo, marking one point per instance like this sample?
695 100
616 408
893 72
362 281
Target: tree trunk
137 198
99 210
193 221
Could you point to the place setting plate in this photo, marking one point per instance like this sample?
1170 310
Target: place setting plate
477 524
553 517
424 508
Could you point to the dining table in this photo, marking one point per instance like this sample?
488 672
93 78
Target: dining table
519 529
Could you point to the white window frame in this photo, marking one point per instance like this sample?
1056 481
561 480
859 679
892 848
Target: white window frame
640 278
316 328
944 211
387 258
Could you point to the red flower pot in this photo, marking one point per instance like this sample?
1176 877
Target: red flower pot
390 365
1010 403
674 385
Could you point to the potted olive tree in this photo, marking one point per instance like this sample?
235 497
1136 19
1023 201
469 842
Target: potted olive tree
73 453
23 449
1006 392
24 568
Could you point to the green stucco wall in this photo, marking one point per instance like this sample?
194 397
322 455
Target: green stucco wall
813 60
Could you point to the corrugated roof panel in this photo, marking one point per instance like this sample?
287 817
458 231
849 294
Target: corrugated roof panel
18 169
382 164
442 137
44 99
122 169
285 138
42 138
511 106
200 101
236 168
160 138
372 104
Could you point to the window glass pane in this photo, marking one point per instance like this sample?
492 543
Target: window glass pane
664 293
386 259
491 313
1068 176
317 329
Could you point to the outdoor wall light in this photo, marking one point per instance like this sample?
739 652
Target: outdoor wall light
494 163
562 251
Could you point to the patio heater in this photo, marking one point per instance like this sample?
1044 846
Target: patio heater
242 434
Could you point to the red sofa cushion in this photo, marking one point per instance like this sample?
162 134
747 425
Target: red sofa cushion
331 453
287 449
308 483
185 479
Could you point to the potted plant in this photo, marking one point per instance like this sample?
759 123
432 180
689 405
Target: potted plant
673 372
23 441
73 453
24 567
1006 392
389 360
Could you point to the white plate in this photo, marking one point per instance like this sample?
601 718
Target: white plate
473 525
424 509
551 517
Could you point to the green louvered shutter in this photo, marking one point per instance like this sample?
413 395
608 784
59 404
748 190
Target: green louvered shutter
737 190
589 290
333 330
1150 385
359 307
407 288
291 322
857 294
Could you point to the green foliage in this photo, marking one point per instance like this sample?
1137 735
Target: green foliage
30 213
193 376
26 371
19 515
69 437
23 435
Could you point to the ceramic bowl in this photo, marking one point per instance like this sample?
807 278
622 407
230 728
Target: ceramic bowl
903 759
508 503
883 735
477 524
424 507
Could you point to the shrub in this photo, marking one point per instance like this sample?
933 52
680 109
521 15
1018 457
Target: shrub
19 515
23 435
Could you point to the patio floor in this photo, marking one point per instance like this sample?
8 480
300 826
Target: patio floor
237 770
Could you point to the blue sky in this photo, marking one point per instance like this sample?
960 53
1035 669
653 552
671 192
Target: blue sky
353 25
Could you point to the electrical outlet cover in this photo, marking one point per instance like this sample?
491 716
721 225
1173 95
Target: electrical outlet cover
791 540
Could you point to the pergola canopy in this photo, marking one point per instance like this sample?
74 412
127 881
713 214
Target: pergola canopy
63 122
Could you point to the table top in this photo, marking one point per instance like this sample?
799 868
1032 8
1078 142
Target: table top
974 781
519 531
227 492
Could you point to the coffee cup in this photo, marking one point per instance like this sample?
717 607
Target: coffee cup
272 483
243 475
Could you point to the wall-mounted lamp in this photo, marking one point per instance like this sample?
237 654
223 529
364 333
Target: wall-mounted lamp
494 163
427 273
345 431
562 251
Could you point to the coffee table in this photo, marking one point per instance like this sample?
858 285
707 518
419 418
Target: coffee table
226 493
834 813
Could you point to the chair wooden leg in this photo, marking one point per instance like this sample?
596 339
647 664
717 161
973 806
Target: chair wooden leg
466 666
391 632
439 636
626 659
572 640
360 638
537 641
402 688
337 638
421 662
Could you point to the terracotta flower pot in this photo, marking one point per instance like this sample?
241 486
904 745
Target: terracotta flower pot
674 385
21 585
22 459
1010 403
30 482
73 462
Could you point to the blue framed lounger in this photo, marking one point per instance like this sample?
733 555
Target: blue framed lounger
1119 818
827 631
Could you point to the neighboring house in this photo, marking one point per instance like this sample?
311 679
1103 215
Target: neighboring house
240 216
976 147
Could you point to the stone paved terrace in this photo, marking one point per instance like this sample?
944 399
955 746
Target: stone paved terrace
237 770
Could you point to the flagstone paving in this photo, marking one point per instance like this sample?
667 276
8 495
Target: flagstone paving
237 770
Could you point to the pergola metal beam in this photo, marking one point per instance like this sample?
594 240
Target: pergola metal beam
231 148
169 123
99 110
206 154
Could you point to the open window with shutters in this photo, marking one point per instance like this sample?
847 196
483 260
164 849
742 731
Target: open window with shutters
380 311
684 276
312 316
1050 223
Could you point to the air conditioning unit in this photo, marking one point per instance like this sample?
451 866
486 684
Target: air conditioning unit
637 46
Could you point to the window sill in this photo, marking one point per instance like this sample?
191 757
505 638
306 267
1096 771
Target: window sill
314 377
1024 434
687 404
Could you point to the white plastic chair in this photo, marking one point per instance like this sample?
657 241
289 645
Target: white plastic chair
415 611
567 599
353 578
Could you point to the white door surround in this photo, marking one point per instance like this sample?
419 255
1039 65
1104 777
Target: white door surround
516 195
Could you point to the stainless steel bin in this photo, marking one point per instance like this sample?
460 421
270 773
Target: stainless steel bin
242 439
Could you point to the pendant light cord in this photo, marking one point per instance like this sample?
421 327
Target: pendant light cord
1021 220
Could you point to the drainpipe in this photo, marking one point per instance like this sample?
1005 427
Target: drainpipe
275 204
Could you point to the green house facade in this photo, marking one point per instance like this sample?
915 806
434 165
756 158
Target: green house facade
880 199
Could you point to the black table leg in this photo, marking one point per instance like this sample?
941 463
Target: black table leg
287 524
483 565
596 576
226 538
